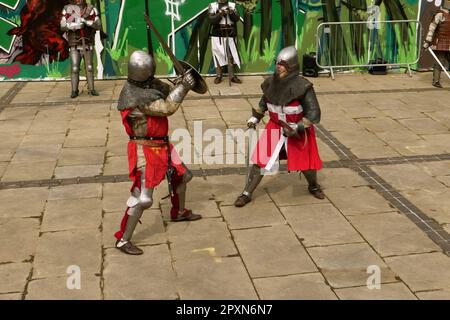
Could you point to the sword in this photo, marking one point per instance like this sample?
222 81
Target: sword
247 156
439 62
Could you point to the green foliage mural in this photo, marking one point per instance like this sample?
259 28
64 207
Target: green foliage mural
266 26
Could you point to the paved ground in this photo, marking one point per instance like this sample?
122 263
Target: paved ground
385 141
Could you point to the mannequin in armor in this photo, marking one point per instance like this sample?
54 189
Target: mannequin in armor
223 16
438 38
289 134
81 21
144 104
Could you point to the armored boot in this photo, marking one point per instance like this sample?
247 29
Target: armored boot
437 77
254 178
313 187
178 199
219 75
139 201
233 77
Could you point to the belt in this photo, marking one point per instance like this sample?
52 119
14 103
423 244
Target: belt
151 141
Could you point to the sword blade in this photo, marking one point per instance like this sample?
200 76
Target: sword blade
176 64
439 62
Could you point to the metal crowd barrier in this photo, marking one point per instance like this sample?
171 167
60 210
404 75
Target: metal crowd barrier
368 44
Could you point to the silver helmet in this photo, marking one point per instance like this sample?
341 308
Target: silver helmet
288 57
141 66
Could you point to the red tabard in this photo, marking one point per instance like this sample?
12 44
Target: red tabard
156 157
301 154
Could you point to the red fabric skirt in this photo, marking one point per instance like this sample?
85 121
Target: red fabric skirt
156 159
302 154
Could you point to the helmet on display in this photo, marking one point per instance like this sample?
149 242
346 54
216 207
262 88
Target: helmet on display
141 66
81 3
288 57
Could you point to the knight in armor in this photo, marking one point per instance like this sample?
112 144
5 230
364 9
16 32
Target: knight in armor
145 103
438 38
289 134
81 21
223 16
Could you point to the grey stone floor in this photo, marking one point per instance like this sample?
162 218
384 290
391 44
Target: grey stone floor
385 141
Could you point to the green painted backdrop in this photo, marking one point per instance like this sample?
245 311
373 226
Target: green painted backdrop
266 27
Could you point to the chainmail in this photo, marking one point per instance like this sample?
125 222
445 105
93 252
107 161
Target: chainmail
282 91
138 94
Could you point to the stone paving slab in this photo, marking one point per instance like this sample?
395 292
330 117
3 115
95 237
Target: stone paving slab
392 234
427 271
124 275
81 156
340 177
116 165
13 207
320 225
18 113
72 214
272 251
28 171
193 246
309 286
346 265
358 200
18 246
115 196
53 256
14 277
78 191
407 177
434 295
56 289
66 172
435 204
10 296
387 291
31 140
252 215
37 154
207 278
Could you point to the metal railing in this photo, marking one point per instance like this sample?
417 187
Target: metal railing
364 44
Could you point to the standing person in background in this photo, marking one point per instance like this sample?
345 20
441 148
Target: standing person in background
81 21
438 39
223 16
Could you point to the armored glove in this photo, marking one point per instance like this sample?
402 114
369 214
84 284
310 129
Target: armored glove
426 44
76 25
188 80
182 87
252 122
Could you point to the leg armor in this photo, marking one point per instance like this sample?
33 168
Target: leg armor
179 211
254 178
89 63
444 58
313 187
140 199
75 59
